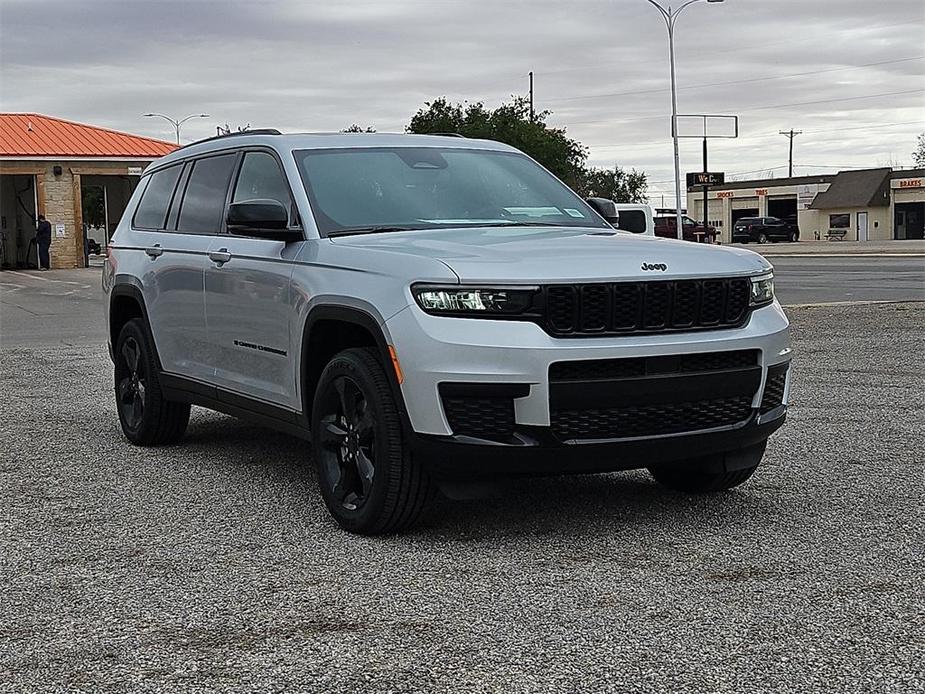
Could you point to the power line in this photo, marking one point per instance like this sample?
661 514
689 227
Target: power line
761 108
765 136
745 81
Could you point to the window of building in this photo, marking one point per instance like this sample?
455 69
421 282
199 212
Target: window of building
839 221
152 210
203 202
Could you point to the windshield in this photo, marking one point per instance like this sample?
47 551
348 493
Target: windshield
359 190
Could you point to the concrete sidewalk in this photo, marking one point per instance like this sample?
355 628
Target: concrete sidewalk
915 248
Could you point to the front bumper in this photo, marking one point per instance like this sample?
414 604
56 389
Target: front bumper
434 350
452 458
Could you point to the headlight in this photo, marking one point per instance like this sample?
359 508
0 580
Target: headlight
762 290
473 301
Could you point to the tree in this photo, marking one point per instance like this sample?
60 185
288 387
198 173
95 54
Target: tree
357 129
918 156
509 123
614 184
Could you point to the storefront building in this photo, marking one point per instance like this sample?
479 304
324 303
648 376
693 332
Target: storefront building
863 205
77 176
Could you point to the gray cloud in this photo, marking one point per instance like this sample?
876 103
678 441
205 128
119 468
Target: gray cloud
601 67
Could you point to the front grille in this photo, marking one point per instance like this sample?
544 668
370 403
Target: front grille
645 307
651 420
652 396
774 388
595 369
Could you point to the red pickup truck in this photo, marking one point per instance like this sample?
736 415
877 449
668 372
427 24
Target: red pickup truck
666 226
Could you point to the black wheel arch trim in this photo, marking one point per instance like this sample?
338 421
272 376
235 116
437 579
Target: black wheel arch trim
365 320
129 286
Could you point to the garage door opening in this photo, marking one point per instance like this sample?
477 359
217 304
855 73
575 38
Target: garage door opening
909 221
103 199
18 204
783 208
747 212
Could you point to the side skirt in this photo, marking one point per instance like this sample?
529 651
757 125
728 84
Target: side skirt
271 416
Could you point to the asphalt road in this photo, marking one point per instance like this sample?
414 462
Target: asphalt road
869 278
212 565
64 307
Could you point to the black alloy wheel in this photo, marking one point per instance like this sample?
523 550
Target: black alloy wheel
130 383
369 479
348 443
147 417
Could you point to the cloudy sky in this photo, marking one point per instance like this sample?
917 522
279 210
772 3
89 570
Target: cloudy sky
849 73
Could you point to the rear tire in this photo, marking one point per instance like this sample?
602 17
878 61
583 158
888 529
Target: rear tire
697 482
146 416
794 237
368 478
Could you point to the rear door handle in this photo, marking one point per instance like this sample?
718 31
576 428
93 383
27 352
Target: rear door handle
221 256
155 251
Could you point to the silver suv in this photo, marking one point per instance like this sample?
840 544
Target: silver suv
429 311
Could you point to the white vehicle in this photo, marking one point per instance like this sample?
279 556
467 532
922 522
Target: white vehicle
430 309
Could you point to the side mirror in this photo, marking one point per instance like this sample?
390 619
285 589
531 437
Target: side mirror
606 209
267 219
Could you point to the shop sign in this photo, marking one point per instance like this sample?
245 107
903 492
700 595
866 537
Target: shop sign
908 183
725 194
805 196
761 192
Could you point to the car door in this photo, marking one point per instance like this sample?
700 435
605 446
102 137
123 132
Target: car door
248 303
172 275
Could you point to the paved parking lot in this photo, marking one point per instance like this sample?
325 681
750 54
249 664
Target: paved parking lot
212 566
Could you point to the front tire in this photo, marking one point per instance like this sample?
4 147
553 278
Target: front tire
762 238
368 478
146 416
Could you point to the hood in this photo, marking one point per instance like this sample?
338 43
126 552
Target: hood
560 254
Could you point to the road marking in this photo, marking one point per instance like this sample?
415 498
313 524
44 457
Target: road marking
44 279
830 304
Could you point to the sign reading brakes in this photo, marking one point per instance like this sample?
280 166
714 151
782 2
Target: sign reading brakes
706 178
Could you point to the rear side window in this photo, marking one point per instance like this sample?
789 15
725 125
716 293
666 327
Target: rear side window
633 221
204 200
152 210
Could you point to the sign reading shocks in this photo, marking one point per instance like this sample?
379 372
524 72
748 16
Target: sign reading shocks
705 178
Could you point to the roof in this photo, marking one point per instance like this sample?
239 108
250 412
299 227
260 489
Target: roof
866 188
34 135
287 142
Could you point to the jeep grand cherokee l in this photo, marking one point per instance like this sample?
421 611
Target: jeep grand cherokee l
427 310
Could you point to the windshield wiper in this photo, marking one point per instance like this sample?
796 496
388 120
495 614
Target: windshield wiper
381 229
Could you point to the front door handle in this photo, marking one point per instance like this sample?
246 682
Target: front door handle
155 251
221 256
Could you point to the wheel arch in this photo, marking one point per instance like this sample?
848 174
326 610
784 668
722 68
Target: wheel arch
330 329
126 302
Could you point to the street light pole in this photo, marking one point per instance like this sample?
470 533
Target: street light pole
671 16
176 123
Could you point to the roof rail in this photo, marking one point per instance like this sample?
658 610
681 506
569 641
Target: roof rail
258 131
444 134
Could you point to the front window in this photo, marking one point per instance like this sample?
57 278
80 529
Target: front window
839 221
397 188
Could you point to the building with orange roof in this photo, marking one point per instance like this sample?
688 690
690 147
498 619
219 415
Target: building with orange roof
78 176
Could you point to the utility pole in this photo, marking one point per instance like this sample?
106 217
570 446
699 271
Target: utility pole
790 134
531 96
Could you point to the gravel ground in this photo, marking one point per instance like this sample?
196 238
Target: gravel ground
212 566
